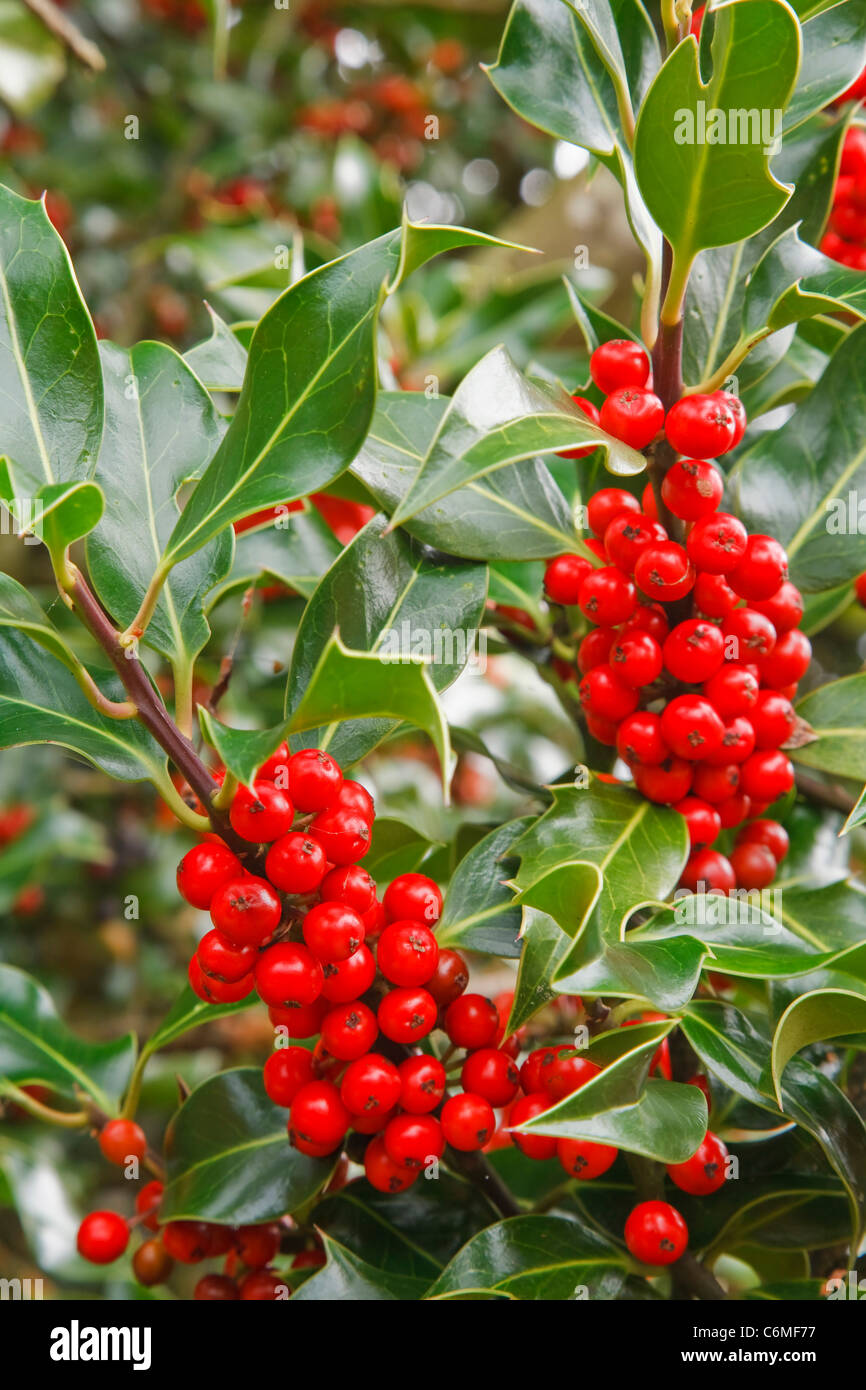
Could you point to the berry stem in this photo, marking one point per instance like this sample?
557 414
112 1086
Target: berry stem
64 1119
476 1168
692 1279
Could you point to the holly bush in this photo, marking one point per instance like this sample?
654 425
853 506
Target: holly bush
489 664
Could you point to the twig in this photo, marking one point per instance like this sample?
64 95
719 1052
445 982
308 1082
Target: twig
63 28
691 1279
825 793
484 1176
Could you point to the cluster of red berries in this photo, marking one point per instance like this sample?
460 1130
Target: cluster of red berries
694 653
845 237
248 1251
655 1232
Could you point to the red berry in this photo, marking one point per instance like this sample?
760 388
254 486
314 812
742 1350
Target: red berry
563 577
413 897
595 648
607 503
351 885
607 596
472 1021
215 1287
318 1115
189 1241
700 426
639 739
628 535
539 1146
634 415
203 870
605 695
449 979
355 797
860 589
422 1084
636 658
705 1171
407 1015
694 651
346 980
349 1030
767 775
648 617
619 362
703 821
788 660
717 543
691 727
344 835
773 719
315 780
491 1074
748 635
591 412
407 953
300 1020
214 991
656 1234
754 866
716 782
564 1072
733 810
333 931
288 973
584 1159
784 608
262 1286
762 569
296 863
121 1140
666 782
246 911
468 1122
151 1263
276 765
261 814
733 690
285 1072
222 961
413 1141
383 1173
707 871
102 1237
530 1072
664 572
605 731
370 1083
766 832
257 1245
738 742
147 1200
737 409
713 596
692 488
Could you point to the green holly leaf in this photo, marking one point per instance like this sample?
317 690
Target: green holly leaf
242 751
515 513
533 1258
50 378
67 511
801 483
705 194
815 1017
498 417
294 549
346 1277
188 1012
793 281
220 361
161 431
835 713
229 1156
479 912
834 54
36 1046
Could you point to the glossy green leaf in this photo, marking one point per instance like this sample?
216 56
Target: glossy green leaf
801 483
230 1159
20 612
50 378
36 1046
710 194
348 1277
310 385
834 53
857 815
397 848
242 751
188 1012
545 945
67 511
219 361
479 911
161 430
498 417
515 513
294 549
793 281
836 713
389 598
825 1013
536 1257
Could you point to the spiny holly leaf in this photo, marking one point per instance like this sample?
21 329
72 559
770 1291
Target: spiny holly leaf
219 361
535 1257
793 281
20 612
294 548
735 1049
349 685
390 598
515 513
50 378
242 751
161 430
189 1012
397 848
857 815
784 1211
801 483
710 194
479 911
41 702
835 712
834 53
36 1046
497 417
230 1159
814 1017
346 1277
310 385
